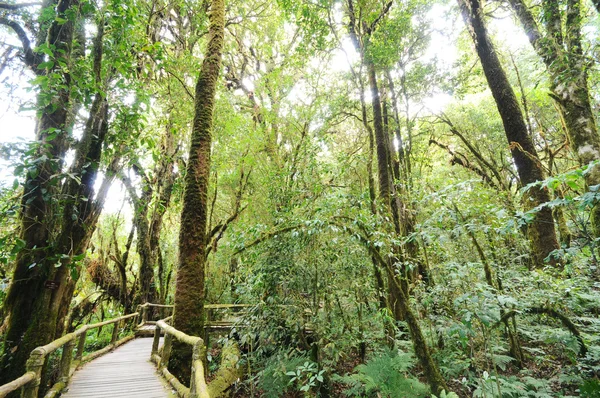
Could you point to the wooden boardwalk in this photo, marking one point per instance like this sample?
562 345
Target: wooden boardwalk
125 372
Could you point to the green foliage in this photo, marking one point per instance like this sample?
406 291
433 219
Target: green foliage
385 375
291 152
444 394
282 371
512 387
306 376
590 389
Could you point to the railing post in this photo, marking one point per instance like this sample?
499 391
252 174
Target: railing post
156 341
135 320
34 364
81 345
144 313
198 382
166 353
115 332
207 322
65 361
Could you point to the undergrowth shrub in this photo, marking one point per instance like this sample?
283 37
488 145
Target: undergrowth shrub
385 375
274 380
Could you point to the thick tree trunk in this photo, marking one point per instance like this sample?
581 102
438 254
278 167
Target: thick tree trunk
28 303
77 223
189 292
566 64
81 212
542 235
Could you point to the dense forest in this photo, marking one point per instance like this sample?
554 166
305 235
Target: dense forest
403 196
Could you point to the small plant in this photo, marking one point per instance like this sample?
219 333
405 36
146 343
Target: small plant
306 376
590 388
274 380
385 376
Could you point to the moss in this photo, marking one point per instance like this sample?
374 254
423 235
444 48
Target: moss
228 372
189 293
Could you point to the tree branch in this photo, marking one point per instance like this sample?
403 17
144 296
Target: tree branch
30 58
14 7
383 13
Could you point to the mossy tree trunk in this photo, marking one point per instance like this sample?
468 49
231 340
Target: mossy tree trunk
562 52
189 292
56 232
542 235
29 298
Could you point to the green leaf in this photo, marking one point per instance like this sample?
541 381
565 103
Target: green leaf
46 65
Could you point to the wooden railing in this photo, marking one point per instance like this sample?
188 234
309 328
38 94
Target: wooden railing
198 387
144 308
30 381
210 309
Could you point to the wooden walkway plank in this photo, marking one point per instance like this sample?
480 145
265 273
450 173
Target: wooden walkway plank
125 372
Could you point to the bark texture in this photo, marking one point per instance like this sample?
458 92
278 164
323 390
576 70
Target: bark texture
57 220
562 52
189 292
542 235
28 298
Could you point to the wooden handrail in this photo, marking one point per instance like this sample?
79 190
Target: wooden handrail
17 383
198 387
179 335
226 306
156 305
206 306
30 381
121 318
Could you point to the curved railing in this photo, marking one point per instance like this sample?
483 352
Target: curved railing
31 379
198 387
144 308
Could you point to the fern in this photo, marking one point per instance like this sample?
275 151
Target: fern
502 360
385 376
512 387
274 381
590 389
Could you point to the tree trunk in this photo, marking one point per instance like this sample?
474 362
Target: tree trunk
566 64
148 221
397 284
189 292
81 212
542 236
28 301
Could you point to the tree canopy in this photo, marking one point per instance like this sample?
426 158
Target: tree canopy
404 193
